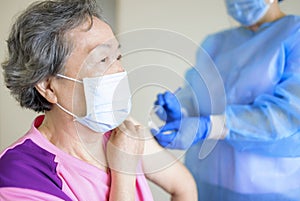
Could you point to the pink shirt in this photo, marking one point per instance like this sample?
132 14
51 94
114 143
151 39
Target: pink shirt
34 169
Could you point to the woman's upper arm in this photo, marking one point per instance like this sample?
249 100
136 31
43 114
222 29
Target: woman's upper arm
165 170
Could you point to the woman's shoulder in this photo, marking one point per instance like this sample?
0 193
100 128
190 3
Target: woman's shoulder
25 161
28 166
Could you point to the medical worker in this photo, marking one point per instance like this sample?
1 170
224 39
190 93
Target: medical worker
257 117
64 61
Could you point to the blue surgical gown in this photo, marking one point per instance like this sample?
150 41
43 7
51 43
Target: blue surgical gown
260 157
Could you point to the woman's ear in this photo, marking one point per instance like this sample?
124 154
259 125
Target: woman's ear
44 87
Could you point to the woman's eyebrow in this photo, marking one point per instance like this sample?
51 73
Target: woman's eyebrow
107 46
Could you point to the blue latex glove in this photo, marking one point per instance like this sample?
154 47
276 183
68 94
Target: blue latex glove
181 134
167 107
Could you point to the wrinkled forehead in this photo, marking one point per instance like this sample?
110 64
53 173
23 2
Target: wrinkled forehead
92 42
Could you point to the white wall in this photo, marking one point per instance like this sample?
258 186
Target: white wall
179 27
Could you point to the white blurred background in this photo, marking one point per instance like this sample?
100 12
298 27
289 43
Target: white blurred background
189 20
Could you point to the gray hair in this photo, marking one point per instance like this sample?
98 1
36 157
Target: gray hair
38 46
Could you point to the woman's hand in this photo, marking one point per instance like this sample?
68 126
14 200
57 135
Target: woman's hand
124 151
125 147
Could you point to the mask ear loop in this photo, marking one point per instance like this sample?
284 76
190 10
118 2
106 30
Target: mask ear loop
66 111
69 78
77 131
61 107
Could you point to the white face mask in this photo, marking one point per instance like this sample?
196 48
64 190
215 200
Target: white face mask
108 101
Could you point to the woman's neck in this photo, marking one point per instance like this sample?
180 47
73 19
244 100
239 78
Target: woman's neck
68 136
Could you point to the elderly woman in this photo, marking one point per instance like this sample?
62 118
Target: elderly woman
64 61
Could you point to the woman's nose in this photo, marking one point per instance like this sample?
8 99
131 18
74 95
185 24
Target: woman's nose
116 67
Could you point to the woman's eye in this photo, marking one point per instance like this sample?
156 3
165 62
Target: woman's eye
119 57
104 60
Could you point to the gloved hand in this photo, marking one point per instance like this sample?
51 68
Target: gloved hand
167 107
181 134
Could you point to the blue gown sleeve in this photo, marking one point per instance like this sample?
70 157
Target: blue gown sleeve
271 124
